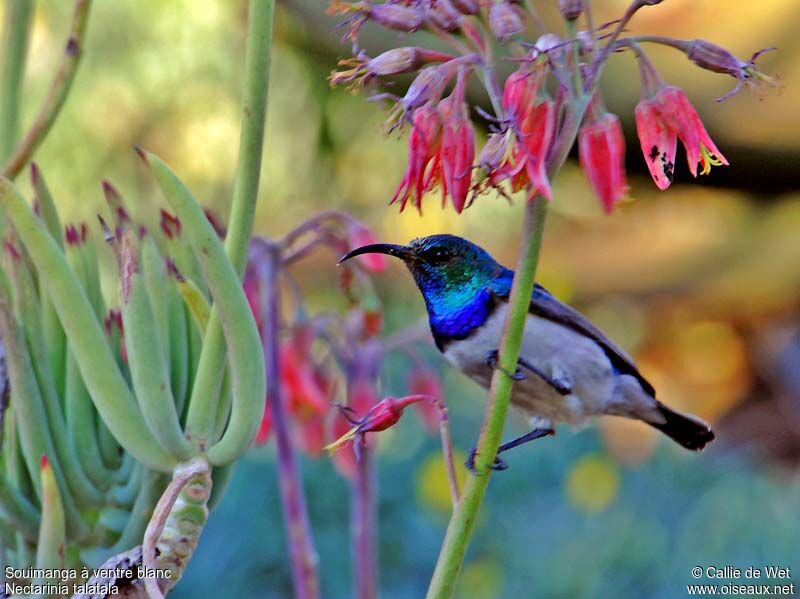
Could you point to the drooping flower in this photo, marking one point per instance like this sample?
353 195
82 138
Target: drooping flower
452 167
601 146
658 143
519 93
661 119
423 145
682 118
532 120
307 390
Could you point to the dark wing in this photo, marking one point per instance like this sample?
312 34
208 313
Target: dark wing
546 306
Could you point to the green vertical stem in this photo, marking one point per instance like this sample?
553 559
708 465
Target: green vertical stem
462 523
202 408
56 95
16 38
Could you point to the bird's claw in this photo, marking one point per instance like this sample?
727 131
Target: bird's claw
498 464
492 362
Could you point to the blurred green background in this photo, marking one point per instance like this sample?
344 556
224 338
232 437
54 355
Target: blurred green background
700 283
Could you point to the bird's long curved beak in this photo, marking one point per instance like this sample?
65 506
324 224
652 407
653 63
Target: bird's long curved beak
398 251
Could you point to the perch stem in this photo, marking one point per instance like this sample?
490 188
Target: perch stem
462 523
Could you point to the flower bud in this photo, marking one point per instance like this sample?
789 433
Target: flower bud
427 86
548 42
396 17
443 14
504 21
494 152
570 9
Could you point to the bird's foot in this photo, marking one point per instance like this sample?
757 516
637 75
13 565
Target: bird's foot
492 361
497 465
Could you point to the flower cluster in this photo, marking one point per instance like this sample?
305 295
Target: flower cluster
328 365
538 112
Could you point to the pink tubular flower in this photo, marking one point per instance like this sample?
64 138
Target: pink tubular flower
533 143
658 143
519 93
307 391
423 145
601 146
457 150
383 415
660 121
682 118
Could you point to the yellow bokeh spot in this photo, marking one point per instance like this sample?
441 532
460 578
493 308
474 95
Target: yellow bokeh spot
593 483
629 441
433 489
481 579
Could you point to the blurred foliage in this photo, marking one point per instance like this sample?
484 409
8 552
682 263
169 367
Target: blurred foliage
700 283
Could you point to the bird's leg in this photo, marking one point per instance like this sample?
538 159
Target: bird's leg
498 463
560 384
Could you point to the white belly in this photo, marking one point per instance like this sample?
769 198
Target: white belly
555 350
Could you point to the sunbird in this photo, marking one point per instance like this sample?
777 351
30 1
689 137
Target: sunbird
568 370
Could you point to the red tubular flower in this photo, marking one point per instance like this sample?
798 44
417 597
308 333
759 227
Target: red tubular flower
519 93
601 146
658 143
383 415
534 140
424 381
307 390
423 145
660 121
457 150
682 118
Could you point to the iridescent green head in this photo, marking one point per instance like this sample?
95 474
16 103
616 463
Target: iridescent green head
456 278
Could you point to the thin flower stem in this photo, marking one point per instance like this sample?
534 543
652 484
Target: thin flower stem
302 554
56 95
599 62
447 452
16 37
365 568
462 523
202 408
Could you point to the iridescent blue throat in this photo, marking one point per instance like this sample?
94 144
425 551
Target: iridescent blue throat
456 310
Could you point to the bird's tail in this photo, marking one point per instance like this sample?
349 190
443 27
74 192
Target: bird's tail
689 431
